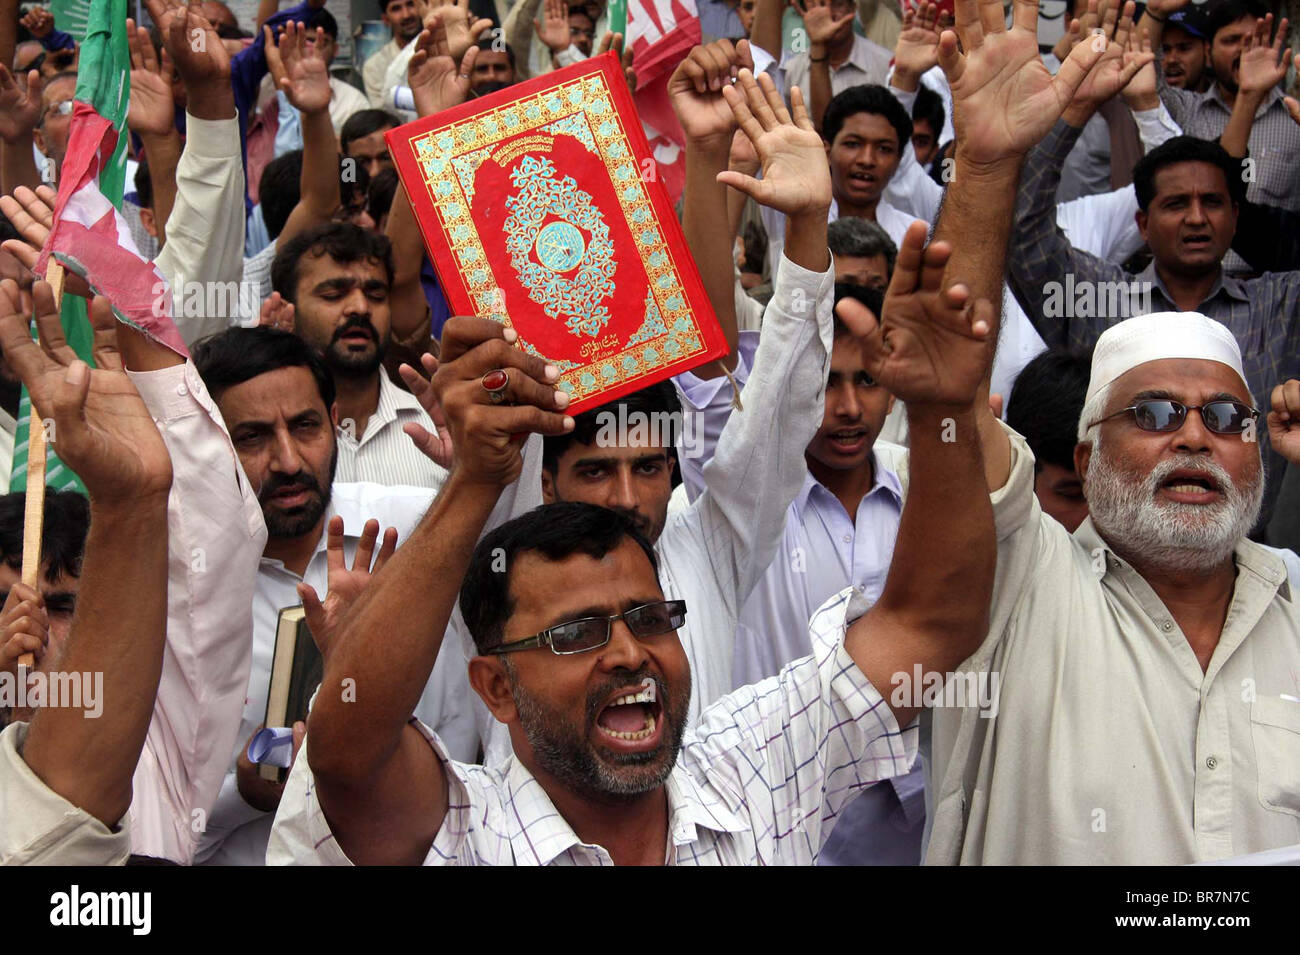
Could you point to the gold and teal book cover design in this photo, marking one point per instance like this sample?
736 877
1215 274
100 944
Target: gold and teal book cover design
540 207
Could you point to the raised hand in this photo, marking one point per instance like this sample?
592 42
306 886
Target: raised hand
301 68
102 429
39 22
1284 420
553 29
1118 62
462 30
614 41
276 313
152 110
695 89
1263 66
20 105
435 81
436 447
917 49
1004 99
192 41
932 346
1140 94
818 21
487 434
796 180
31 213
24 627
343 584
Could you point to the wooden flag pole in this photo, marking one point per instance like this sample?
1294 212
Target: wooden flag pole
34 509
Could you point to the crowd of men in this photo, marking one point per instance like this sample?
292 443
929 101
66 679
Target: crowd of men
976 547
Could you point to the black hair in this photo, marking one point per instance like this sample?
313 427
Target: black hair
278 190
354 183
382 190
143 185
1185 149
490 45
872 298
226 31
657 398
929 107
341 241
1229 12
868 98
364 122
63 534
555 531
1045 403
239 354
325 20
861 238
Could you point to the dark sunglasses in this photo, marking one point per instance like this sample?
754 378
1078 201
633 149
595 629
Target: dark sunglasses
578 636
1164 415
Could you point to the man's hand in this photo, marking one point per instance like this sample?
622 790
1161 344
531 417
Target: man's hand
192 42
614 41
553 30
818 22
462 31
31 214
276 313
932 345
101 427
1004 99
343 584
488 436
1118 64
24 627
263 794
301 69
1263 66
1140 94
438 447
796 180
152 110
435 81
20 106
695 89
1284 420
917 49
39 22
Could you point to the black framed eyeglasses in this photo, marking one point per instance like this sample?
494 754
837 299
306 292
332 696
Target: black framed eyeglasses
589 633
1166 415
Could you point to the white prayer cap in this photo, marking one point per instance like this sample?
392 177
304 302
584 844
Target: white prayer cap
1136 341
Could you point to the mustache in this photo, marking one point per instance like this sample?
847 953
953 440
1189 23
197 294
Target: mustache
355 321
1221 477
597 696
277 482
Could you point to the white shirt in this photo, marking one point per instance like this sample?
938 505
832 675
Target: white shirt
759 781
385 454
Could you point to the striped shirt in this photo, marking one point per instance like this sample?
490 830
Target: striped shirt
760 780
383 453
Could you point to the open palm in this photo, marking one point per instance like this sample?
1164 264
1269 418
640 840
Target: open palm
20 104
306 79
152 110
435 81
102 429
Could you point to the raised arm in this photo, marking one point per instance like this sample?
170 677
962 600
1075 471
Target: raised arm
152 117
820 26
104 432
20 111
707 121
911 189
766 31
379 783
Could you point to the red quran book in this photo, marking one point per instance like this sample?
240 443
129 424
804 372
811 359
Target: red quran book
540 206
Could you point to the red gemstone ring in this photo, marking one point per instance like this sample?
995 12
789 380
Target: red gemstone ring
495 383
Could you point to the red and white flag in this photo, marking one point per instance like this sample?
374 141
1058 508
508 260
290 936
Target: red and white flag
660 34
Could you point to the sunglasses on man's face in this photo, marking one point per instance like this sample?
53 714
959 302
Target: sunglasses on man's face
589 633
1166 415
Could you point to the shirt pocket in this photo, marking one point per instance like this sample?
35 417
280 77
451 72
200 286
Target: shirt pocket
1275 730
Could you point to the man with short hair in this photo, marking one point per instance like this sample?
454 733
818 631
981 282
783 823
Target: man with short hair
275 395
337 277
362 139
1274 138
927 126
494 69
403 19
1184 48
863 253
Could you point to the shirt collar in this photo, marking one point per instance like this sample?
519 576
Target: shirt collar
1213 95
539 834
1248 555
882 479
1225 283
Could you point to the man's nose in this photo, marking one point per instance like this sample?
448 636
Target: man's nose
623 492
285 458
1193 436
623 651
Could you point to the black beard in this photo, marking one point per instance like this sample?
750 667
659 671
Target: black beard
300 520
342 362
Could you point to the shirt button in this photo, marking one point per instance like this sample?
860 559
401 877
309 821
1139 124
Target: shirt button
1211 762
1167 626
182 390
848 538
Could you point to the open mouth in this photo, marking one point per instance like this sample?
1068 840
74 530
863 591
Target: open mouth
294 495
862 180
1197 241
633 718
848 439
1191 487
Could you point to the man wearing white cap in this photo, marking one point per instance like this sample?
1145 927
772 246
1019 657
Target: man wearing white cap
1147 667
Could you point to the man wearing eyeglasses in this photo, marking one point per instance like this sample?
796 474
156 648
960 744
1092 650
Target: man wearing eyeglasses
52 129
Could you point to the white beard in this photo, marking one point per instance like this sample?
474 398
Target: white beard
1167 534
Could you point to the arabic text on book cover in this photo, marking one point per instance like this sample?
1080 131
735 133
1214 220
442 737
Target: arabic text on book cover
539 204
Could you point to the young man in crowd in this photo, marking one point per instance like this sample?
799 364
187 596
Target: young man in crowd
403 18
362 139
1184 50
862 251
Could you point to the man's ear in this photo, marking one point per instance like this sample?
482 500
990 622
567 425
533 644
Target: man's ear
1082 455
487 675
548 487
1140 217
147 220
